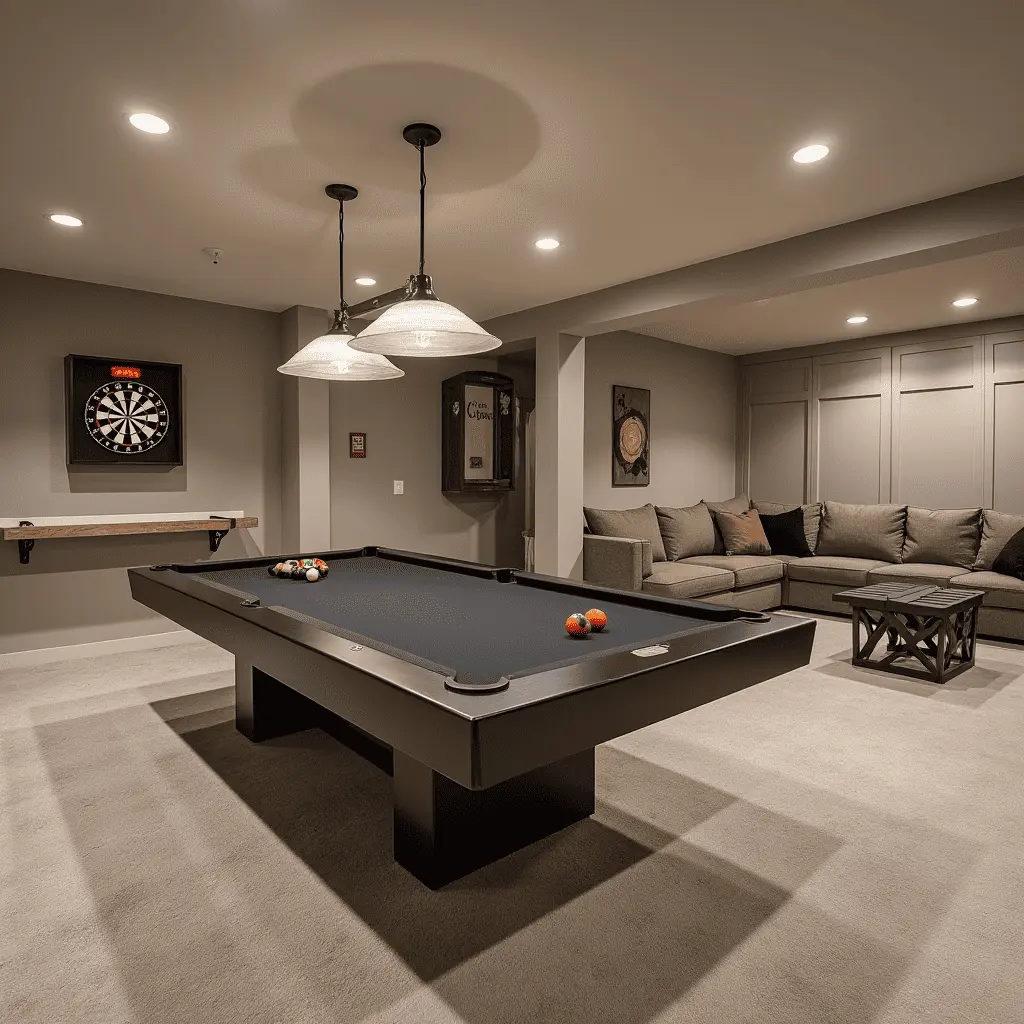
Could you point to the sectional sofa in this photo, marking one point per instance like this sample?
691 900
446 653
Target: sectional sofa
677 552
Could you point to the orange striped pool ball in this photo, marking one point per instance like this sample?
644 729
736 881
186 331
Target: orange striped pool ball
577 625
597 619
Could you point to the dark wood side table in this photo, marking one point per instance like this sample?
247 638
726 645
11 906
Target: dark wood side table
936 626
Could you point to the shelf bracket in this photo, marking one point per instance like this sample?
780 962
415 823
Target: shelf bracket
216 536
25 546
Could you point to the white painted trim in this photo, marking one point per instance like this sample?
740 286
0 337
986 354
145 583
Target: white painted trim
96 649
121 517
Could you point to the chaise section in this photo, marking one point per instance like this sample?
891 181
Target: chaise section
837 570
916 572
1000 591
678 579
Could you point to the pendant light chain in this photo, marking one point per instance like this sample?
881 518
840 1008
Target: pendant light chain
341 262
423 194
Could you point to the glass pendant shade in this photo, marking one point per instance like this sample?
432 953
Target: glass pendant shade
331 357
423 325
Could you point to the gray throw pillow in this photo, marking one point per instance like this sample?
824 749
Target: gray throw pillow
686 531
862 531
945 536
636 523
737 505
996 530
812 517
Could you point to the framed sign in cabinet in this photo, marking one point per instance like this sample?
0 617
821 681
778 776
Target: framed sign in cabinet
478 433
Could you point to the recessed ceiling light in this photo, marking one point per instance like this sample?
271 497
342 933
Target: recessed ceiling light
547 243
65 220
856 319
811 154
149 123
967 300
366 282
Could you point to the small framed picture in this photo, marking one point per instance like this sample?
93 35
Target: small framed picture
357 445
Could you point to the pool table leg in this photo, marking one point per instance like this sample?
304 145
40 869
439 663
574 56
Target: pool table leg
264 708
443 831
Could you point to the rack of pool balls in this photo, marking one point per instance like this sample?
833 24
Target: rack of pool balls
310 569
581 623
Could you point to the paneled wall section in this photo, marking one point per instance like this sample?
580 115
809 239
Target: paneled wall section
938 424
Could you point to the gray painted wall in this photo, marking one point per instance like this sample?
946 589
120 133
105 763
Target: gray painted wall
932 418
402 422
75 591
693 420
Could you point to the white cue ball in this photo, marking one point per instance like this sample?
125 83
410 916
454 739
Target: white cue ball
312 575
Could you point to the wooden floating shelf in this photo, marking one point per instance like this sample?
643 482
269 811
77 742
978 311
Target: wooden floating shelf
26 534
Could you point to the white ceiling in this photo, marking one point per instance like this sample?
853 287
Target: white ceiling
902 301
646 136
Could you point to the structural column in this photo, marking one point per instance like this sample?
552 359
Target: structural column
306 441
559 420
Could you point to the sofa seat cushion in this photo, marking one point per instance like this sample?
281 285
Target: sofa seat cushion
680 579
748 569
863 531
1000 591
630 523
836 570
915 572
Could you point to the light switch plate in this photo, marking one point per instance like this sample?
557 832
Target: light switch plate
399 487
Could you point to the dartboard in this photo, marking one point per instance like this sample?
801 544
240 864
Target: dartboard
126 417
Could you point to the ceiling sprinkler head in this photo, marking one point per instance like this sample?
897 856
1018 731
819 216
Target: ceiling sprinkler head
214 253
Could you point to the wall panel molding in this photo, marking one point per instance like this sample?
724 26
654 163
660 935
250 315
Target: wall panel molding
1004 421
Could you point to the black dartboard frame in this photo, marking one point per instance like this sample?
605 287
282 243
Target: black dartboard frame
122 412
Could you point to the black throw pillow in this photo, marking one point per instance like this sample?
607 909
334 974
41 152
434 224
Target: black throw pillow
1010 561
785 533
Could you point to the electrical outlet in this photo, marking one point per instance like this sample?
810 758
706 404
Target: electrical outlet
399 487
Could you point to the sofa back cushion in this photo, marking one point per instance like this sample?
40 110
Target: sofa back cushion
996 530
862 531
637 523
946 536
786 534
812 517
1010 561
739 504
742 533
686 531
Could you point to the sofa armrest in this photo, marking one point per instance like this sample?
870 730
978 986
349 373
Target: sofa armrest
616 561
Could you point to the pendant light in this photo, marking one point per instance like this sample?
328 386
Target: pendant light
420 324
331 357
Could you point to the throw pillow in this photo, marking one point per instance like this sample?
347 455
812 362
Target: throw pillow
946 536
1010 561
786 534
862 531
634 523
737 505
812 517
742 533
996 530
686 531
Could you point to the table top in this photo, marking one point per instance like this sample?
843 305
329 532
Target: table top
476 627
913 597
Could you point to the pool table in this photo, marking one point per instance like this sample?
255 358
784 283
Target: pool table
461 680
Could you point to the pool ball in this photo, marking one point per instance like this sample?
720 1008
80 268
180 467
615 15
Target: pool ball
597 619
577 625
312 574
274 569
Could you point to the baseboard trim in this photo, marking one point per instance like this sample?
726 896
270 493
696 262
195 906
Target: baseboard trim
96 649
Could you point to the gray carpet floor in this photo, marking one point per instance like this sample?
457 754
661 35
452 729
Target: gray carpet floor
834 845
